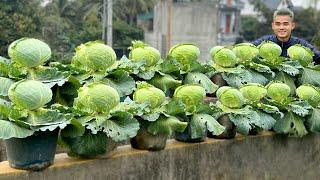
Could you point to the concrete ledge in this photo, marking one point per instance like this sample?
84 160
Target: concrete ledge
266 156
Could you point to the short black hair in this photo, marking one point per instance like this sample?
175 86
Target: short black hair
283 11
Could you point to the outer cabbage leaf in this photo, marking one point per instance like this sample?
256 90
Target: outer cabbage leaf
11 130
5 85
290 67
291 124
73 129
201 79
301 108
167 126
46 117
313 121
310 76
48 75
121 81
200 123
121 126
88 145
164 82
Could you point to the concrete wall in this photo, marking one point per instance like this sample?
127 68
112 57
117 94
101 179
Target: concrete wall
190 22
266 156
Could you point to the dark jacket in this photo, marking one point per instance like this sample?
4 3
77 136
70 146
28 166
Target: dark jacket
285 45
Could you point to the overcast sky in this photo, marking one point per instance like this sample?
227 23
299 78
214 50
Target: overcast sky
304 3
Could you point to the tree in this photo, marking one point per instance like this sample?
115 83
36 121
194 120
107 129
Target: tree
18 19
129 9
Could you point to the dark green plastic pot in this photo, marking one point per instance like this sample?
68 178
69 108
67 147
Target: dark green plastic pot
34 153
146 141
185 136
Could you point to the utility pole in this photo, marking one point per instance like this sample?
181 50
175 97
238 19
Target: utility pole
169 25
107 22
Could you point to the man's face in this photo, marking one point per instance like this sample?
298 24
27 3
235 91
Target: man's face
282 26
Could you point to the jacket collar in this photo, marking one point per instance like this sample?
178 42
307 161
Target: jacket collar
283 43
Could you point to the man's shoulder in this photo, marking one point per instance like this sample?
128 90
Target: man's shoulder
301 41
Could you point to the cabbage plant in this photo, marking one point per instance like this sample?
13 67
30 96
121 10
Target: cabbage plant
223 57
186 54
278 91
294 111
143 62
253 91
143 52
245 51
309 93
301 54
244 109
28 57
188 106
98 119
94 56
190 94
26 110
269 50
149 107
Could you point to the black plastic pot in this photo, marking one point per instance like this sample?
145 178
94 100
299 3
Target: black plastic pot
218 80
230 129
146 141
255 131
185 136
34 153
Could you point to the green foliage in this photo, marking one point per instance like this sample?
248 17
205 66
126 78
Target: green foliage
18 19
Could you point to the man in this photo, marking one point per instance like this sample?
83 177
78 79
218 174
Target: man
282 27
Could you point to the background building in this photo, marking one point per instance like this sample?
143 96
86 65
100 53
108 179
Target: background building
204 22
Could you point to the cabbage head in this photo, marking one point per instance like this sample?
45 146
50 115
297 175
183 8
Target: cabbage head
190 94
231 98
30 94
151 95
308 93
215 49
245 51
225 58
221 90
96 98
301 54
29 52
140 51
94 56
185 53
278 91
253 91
269 50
